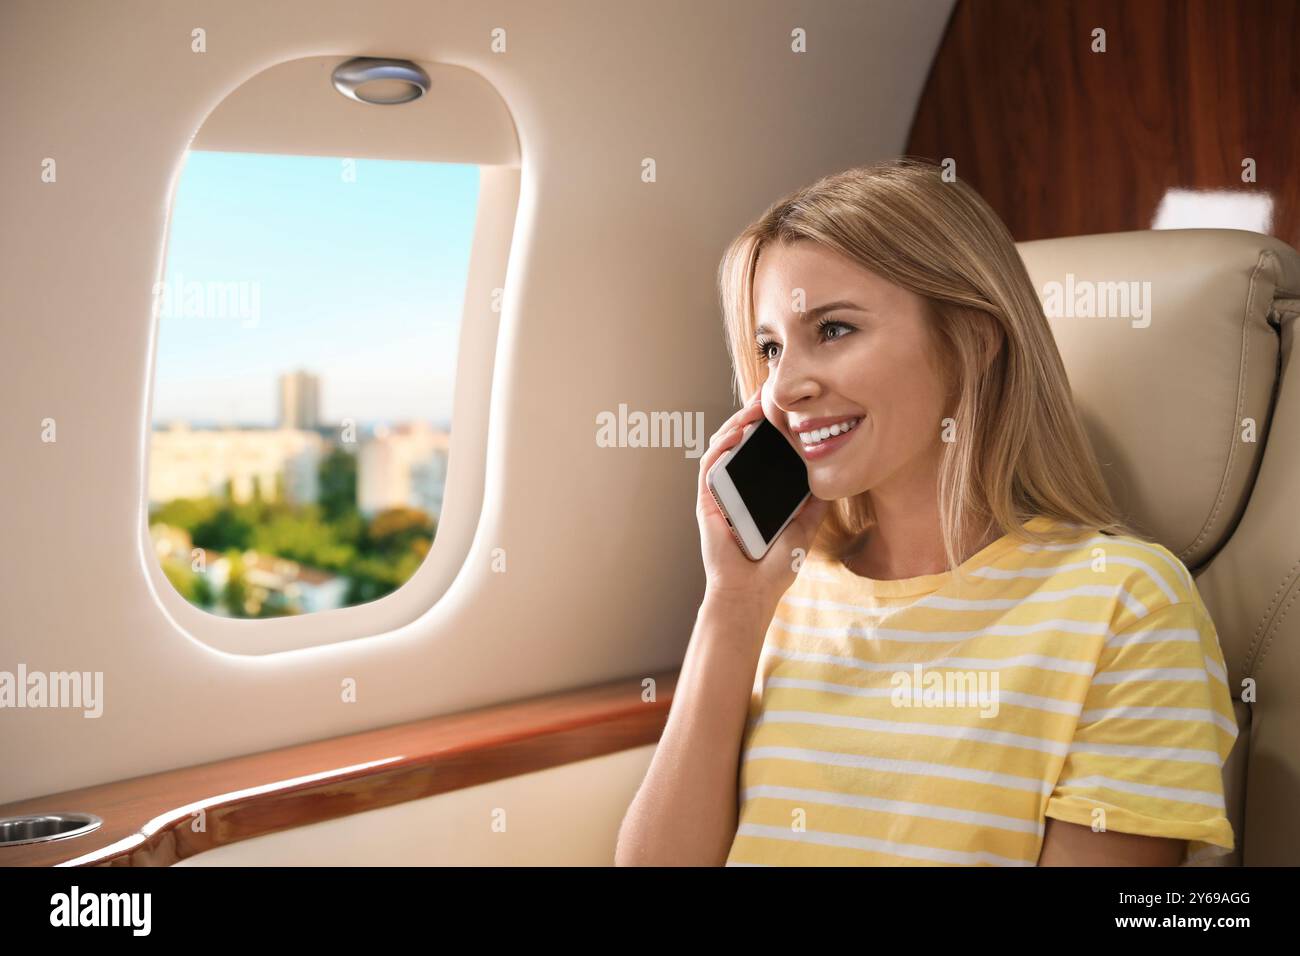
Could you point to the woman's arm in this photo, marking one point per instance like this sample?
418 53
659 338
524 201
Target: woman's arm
1069 844
685 812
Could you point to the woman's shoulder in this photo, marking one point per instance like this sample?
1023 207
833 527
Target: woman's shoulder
1141 569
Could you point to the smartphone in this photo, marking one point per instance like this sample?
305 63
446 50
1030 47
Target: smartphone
759 485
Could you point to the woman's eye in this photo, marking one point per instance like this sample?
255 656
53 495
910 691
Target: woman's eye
828 324
763 347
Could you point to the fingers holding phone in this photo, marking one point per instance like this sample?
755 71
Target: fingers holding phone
725 438
754 491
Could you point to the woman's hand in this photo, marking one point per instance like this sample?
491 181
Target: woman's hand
727 570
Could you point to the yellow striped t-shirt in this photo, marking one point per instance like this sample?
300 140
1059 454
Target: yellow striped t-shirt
930 721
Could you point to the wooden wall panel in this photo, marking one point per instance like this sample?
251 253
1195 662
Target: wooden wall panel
1063 141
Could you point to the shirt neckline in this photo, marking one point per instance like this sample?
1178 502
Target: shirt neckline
927 583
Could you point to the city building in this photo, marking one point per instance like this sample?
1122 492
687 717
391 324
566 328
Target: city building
403 466
185 462
299 400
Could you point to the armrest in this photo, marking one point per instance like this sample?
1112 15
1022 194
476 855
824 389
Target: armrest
148 820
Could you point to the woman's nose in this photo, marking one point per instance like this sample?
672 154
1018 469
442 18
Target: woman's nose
791 381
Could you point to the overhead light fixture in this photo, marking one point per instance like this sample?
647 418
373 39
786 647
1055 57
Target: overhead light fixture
382 82
1215 209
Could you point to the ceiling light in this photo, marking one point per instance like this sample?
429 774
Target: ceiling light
381 82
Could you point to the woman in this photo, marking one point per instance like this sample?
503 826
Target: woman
957 653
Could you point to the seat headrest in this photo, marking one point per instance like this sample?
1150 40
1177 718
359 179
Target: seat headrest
1172 340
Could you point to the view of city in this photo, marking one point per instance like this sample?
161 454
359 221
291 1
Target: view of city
303 516
308 328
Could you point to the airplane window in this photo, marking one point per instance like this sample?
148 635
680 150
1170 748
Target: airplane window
308 324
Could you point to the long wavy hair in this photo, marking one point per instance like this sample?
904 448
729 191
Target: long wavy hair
1021 450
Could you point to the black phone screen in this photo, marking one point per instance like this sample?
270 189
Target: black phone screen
771 478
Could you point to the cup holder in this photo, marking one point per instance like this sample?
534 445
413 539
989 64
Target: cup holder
44 827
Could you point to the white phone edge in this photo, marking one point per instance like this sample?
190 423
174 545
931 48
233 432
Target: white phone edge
733 508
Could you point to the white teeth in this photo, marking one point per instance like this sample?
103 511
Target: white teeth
821 434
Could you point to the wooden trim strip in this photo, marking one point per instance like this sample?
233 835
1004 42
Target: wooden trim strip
148 820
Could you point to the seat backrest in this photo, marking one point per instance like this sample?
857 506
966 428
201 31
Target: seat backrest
1178 345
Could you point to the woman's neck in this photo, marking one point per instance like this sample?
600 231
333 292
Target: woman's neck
870 556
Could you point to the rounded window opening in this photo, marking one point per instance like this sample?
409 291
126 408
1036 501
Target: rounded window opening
308 325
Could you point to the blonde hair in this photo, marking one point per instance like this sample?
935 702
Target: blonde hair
1021 450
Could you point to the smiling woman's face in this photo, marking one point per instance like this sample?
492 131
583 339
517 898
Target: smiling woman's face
872 359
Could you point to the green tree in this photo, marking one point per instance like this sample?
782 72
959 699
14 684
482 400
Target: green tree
185 513
338 484
394 531
204 594
370 579
350 529
377 555
236 593
396 541
182 579
230 526
301 536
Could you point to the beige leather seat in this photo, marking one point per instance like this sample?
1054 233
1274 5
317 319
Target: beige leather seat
1192 401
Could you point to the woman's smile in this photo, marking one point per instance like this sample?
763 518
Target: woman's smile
827 441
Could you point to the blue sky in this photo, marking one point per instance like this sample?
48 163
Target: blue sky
361 282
